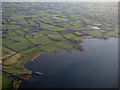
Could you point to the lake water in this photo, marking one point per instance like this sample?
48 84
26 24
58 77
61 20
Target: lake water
96 28
95 67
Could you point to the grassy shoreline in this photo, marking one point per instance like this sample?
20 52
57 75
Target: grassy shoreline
19 77
16 82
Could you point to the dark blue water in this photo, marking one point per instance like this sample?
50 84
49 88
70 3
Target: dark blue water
95 67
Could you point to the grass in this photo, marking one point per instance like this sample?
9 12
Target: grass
10 34
51 27
8 50
94 33
39 38
83 37
7 81
11 27
112 33
7 42
17 68
19 46
5 55
20 32
1 80
49 48
56 36
78 33
69 35
12 60
59 19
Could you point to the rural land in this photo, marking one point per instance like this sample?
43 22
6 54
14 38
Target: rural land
31 29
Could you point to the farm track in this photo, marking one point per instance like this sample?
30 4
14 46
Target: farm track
17 33
49 37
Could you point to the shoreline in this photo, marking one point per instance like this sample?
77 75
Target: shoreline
18 82
48 58
35 57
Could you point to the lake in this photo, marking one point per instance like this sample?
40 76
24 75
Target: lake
95 67
96 28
